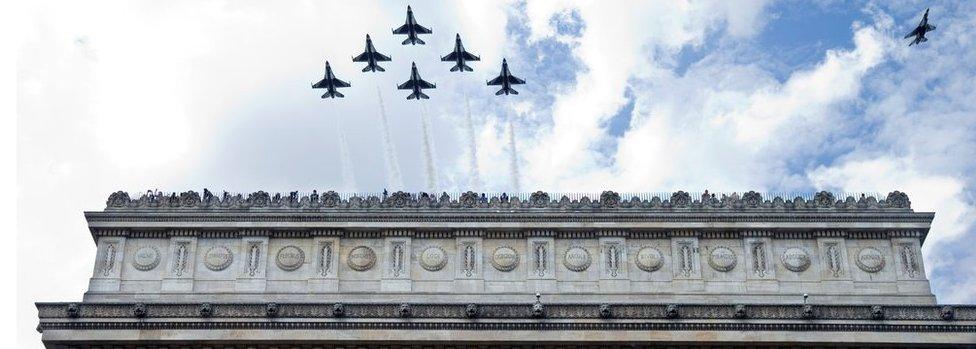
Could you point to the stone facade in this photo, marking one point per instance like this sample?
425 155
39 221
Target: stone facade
820 264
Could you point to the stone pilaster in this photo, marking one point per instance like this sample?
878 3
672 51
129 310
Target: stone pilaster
614 265
325 272
107 276
253 268
181 264
396 264
540 264
469 274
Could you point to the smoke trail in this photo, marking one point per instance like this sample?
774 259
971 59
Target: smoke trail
393 178
428 149
348 175
513 152
472 146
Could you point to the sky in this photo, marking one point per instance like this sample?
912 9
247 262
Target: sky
643 96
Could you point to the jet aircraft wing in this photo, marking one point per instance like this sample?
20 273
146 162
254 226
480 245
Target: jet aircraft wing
407 85
496 81
340 83
361 58
403 29
913 32
470 57
514 80
450 56
421 29
425 84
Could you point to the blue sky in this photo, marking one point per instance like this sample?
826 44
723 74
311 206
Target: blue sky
776 96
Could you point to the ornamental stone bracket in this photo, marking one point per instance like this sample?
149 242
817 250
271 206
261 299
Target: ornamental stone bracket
107 274
252 275
180 264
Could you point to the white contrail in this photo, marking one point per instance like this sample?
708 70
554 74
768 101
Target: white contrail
513 152
393 178
348 174
472 146
428 149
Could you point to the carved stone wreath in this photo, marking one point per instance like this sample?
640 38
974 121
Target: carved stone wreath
146 258
795 259
722 259
870 260
504 258
433 258
649 259
290 258
577 258
361 258
218 258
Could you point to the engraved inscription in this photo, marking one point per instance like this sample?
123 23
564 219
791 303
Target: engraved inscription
722 259
576 259
290 258
218 258
795 259
504 258
361 258
649 259
433 258
146 258
870 260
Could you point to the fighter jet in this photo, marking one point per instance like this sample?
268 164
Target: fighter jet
411 28
370 56
506 80
459 56
416 84
330 83
922 28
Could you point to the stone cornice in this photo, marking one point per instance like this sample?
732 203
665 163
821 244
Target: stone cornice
888 313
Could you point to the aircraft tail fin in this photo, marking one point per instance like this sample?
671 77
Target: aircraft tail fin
513 92
418 41
465 67
413 41
418 96
337 94
455 68
499 93
366 69
924 39
379 68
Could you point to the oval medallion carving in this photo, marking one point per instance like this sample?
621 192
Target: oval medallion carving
722 259
577 258
795 259
433 258
146 258
361 258
290 258
649 259
870 260
218 258
504 258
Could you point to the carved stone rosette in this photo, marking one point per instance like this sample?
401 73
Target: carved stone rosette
649 259
577 258
433 258
290 258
